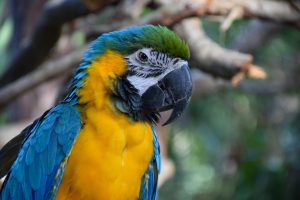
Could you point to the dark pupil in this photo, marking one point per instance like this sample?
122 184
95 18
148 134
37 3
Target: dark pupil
143 56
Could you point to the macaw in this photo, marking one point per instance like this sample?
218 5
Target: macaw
100 141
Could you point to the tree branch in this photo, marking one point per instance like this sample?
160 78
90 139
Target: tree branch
166 16
278 11
45 72
170 14
209 56
204 84
44 37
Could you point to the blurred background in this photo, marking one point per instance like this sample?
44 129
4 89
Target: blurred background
239 138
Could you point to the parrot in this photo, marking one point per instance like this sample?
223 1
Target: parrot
100 141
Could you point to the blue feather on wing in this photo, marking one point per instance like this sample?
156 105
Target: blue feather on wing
38 168
149 187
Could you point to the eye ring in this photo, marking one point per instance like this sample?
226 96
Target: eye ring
142 57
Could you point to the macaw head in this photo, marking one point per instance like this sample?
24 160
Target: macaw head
146 69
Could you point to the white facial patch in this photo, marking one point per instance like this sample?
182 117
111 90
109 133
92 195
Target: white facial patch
143 73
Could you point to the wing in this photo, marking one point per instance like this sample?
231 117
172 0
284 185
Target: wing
9 152
149 187
37 171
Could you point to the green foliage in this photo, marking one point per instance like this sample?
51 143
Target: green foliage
146 11
3 118
5 34
78 39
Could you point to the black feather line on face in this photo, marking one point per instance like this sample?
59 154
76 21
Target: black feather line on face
155 70
126 95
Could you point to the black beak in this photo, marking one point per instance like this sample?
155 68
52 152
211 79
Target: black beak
172 92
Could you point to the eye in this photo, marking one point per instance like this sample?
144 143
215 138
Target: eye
142 57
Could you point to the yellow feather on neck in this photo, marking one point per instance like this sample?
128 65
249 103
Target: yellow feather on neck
112 152
101 77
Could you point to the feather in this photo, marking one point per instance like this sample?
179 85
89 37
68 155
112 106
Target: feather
32 175
10 151
42 142
13 189
52 149
26 191
149 186
30 153
19 172
40 192
18 192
